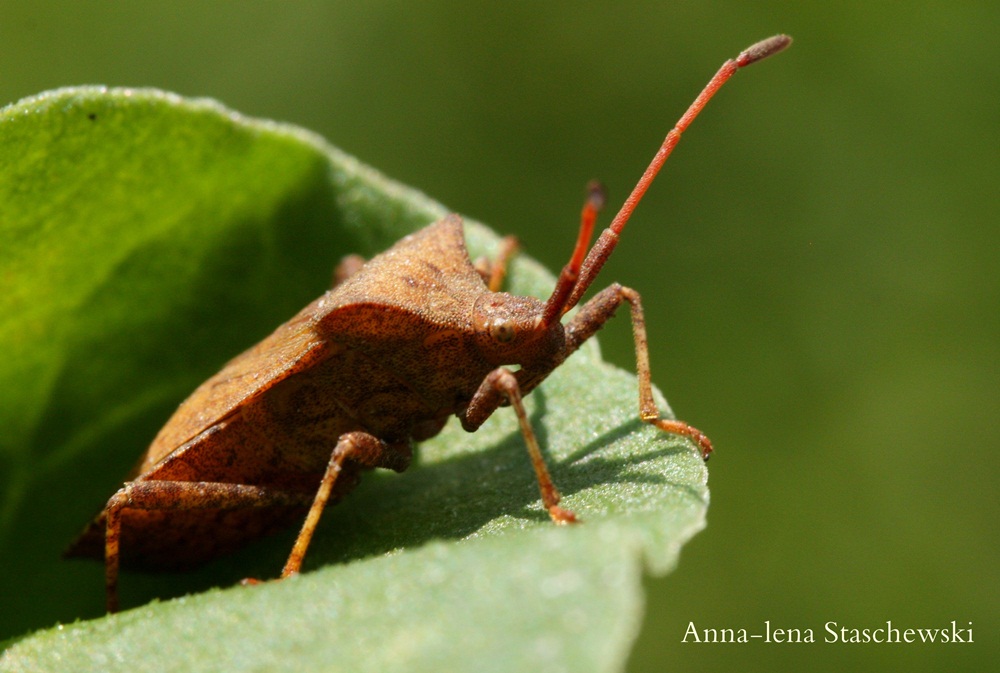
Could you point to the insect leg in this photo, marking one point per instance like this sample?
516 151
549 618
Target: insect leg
494 270
178 495
501 384
362 448
591 318
348 266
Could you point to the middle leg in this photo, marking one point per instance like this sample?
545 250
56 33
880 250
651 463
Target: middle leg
362 448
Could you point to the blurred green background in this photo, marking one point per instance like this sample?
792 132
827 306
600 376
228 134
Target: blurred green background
818 260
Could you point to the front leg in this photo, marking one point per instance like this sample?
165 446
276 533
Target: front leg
493 271
591 318
501 385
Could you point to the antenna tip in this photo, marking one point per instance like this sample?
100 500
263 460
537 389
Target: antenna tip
597 195
762 50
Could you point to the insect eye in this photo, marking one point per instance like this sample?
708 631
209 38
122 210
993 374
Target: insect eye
502 331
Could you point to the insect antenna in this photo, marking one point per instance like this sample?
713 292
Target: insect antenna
570 273
581 271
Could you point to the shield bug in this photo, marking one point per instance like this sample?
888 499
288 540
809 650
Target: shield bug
401 343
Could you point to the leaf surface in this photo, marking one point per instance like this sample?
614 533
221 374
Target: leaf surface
147 239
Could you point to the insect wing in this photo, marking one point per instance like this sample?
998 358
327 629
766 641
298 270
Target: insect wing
292 348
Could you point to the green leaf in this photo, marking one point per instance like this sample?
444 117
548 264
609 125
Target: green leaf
147 239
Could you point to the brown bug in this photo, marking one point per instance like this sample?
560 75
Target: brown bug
401 343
